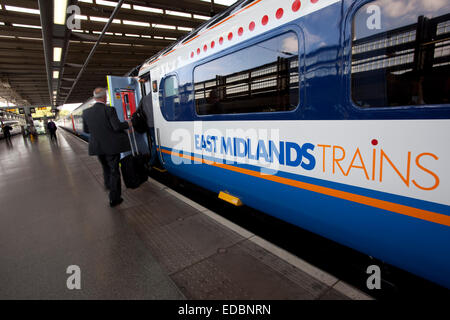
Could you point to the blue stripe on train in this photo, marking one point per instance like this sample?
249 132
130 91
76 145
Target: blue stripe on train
418 246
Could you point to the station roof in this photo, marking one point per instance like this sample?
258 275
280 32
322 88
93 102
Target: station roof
139 30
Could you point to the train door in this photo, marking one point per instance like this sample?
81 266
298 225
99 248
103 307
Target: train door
146 89
124 95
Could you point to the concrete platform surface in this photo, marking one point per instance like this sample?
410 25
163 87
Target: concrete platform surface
156 245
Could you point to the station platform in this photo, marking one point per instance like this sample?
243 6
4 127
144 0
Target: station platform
156 245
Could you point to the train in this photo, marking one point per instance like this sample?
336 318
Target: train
16 127
74 122
332 115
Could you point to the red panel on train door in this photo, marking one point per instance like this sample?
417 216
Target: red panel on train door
128 103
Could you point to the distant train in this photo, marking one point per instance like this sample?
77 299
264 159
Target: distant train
331 115
14 124
74 122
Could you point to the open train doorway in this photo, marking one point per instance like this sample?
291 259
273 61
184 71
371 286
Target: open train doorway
124 95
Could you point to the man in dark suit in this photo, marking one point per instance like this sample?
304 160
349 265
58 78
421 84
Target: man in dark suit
7 133
107 140
146 105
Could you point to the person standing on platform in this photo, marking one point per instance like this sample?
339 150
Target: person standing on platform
146 105
33 133
51 127
7 132
107 139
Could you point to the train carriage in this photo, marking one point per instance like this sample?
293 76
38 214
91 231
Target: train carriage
331 115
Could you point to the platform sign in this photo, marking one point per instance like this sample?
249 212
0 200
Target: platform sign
43 112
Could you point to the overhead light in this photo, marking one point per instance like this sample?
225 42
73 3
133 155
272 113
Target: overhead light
55 74
20 9
25 26
177 13
60 7
57 51
163 26
198 16
222 2
141 8
136 23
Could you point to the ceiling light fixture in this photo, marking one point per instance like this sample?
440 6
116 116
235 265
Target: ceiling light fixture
60 7
57 51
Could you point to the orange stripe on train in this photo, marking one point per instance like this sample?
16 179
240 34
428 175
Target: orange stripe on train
376 203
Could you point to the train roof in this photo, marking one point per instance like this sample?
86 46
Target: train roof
235 25
193 34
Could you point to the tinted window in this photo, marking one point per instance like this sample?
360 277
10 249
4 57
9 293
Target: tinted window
401 53
170 105
260 78
170 87
147 87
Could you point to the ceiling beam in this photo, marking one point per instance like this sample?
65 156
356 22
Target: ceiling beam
111 18
190 6
46 15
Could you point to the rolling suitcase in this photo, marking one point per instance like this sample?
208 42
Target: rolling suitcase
133 166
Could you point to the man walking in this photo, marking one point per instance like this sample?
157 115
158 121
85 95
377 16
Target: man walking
51 127
107 140
7 133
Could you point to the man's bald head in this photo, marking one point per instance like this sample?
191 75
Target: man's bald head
100 94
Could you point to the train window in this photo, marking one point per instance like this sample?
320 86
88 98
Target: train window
142 88
170 87
147 87
170 105
144 82
401 53
260 78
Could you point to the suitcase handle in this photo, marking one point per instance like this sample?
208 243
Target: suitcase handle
133 152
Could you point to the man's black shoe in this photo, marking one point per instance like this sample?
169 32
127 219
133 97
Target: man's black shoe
115 203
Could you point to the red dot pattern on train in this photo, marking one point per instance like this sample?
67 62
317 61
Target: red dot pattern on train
279 13
296 5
